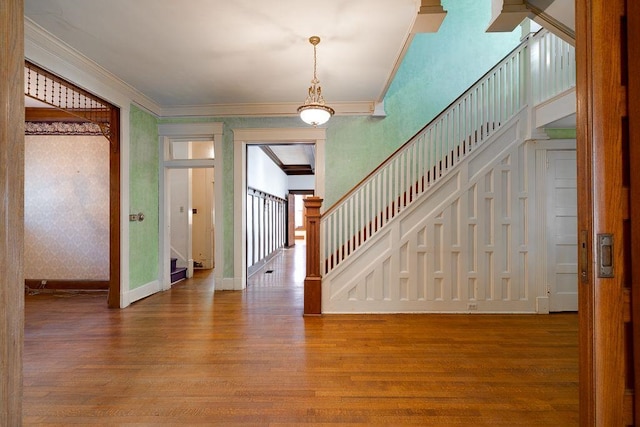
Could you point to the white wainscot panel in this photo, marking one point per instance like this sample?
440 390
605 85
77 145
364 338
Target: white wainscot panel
458 249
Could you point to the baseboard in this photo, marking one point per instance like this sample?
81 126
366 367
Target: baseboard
141 292
229 284
226 284
542 305
75 285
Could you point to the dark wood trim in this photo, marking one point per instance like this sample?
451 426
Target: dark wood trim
89 285
583 160
11 210
313 278
113 300
34 114
58 93
291 220
107 116
633 99
304 192
601 207
304 169
297 169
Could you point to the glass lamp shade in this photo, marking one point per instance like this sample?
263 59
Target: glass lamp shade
315 114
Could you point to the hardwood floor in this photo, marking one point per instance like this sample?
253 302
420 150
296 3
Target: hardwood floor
187 357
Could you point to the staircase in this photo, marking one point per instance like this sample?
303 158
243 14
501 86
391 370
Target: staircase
177 273
443 223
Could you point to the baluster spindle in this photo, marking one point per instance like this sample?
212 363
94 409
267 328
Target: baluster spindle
452 135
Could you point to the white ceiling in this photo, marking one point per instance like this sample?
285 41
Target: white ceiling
247 52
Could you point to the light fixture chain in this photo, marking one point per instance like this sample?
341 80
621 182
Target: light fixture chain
315 78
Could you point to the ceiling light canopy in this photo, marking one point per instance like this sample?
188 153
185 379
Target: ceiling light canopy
314 111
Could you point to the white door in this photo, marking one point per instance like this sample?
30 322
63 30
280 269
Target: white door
561 231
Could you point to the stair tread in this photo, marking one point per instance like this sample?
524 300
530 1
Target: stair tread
178 274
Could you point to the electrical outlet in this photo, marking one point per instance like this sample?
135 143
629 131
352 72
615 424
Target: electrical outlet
472 306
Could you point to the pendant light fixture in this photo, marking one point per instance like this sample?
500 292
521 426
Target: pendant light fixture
314 111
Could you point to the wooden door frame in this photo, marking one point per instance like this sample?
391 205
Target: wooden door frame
11 210
633 75
114 297
607 95
112 133
291 216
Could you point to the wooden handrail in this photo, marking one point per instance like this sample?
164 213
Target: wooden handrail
418 133
430 154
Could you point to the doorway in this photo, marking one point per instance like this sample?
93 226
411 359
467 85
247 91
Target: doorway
191 218
248 137
298 219
189 203
274 173
56 100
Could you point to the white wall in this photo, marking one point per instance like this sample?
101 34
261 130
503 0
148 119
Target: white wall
301 182
202 225
264 175
179 189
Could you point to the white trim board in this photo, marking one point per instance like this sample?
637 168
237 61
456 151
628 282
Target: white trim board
141 292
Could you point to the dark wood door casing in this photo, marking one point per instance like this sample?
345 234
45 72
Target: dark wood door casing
11 210
633 99
107 117
113 300
603 208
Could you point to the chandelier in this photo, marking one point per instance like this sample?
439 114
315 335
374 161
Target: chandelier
314 111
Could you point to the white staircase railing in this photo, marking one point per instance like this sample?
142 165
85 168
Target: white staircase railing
553 69
462 127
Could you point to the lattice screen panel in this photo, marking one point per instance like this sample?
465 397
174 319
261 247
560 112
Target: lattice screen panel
56 92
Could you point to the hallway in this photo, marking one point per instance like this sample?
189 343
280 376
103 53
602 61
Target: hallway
187 357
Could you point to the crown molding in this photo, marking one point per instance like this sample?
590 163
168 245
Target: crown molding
51 53
262 110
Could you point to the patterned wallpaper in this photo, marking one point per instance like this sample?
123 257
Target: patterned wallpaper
143 197
66 208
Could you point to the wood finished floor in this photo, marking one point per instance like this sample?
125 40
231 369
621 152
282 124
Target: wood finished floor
187 357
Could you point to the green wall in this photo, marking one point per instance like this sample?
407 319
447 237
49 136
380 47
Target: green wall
227 156
143 197
561 133
437 68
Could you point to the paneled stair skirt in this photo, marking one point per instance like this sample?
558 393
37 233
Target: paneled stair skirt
177 273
